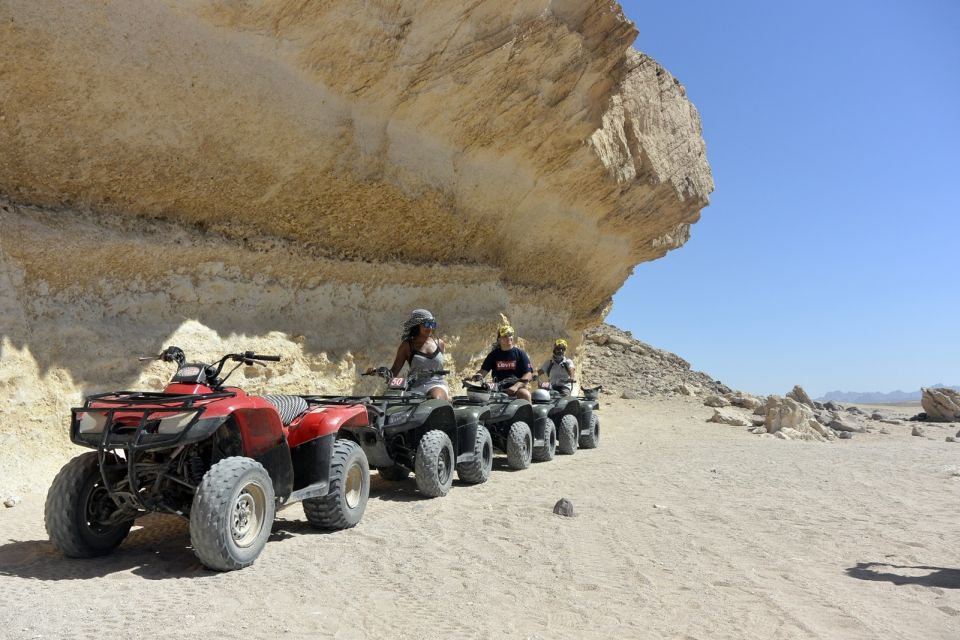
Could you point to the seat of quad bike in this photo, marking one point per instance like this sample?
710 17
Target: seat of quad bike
289 407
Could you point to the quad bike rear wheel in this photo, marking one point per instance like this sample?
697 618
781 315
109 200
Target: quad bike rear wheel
349 490
394 473
591 438
434 464
549 448
79 514
568 437
519 445
232 514
478 469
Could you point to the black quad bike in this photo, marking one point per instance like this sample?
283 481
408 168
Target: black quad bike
589 405
211 454
579 424
513 425
410 432
565 412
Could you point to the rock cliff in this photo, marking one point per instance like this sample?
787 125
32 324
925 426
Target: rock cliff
298 176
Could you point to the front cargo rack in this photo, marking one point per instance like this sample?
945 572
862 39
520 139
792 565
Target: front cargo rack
179 400
133 420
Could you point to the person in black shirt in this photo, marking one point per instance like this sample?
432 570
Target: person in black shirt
507 361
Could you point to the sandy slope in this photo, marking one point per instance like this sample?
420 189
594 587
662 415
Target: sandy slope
685 529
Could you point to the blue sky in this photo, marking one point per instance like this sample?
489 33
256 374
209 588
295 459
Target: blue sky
830 253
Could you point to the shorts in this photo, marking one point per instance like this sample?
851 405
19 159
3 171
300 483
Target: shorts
424 387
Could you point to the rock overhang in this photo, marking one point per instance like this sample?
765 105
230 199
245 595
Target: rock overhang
518 152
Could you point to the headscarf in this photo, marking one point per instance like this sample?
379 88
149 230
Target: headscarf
417 317
559 343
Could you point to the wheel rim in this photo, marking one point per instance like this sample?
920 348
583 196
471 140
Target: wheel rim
353 486
249 512
444 467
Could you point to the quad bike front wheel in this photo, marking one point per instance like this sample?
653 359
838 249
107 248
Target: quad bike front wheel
478 469
549 448
519 445
346 501
434 464
591 438
569 434
232 514
81 518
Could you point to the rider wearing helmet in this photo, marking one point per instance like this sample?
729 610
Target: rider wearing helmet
507 360
421 352
558 369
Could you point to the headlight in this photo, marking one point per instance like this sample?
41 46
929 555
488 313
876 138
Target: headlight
92 422
176 423
399 417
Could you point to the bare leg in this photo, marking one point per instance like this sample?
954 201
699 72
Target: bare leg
519 392
438 393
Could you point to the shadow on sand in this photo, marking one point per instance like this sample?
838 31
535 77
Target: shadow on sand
939 577
158 548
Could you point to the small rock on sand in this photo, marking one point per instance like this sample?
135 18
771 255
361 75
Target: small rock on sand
564 508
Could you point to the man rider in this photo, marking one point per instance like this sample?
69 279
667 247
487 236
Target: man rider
559 369
506 361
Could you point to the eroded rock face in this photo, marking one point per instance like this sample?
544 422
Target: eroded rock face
941 405
299 176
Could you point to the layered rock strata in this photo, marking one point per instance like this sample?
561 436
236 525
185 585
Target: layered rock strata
298 176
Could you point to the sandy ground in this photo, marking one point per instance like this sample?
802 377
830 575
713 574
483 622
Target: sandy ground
684 530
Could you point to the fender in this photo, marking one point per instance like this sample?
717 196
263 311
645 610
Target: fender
436 414
471 413
261 429
539 425
567 406
325 420
520 410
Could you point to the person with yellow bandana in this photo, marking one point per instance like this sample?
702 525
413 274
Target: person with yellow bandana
506 361
559 370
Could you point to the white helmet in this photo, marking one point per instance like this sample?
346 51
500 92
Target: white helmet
478 395
541 395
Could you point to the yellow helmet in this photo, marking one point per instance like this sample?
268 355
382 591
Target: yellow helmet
560 343
505 330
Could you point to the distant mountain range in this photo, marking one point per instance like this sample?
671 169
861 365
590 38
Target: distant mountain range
878 397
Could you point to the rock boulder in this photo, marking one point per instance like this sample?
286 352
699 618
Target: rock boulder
941 405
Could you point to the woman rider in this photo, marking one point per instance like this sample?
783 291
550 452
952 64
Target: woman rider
422 352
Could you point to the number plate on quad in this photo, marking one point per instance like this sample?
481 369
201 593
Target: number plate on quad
396 383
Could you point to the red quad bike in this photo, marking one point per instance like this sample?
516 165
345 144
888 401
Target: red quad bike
211 454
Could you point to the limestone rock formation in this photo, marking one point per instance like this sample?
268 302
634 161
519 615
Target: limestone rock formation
730 416
615 359
299 176
795 420
941 404
801 396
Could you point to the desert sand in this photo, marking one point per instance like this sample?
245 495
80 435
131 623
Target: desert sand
684 529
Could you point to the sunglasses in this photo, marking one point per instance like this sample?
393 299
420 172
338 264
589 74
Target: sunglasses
506 335
429 324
